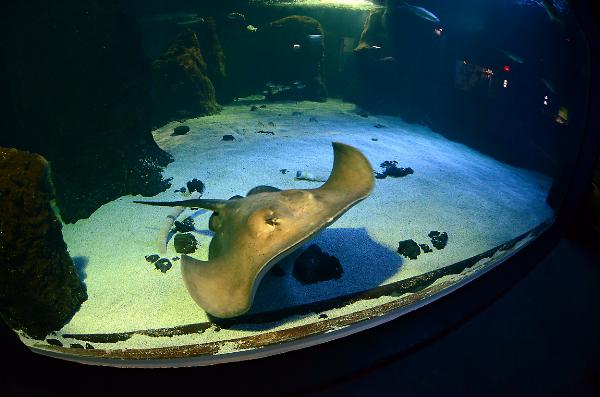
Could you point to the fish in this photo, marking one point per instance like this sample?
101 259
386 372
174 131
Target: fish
253 233
513 57
548 85
420 12
552 12
236 16
191 21
387 60
251 28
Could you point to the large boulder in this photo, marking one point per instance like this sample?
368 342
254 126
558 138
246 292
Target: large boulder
78 88
39 287
182 88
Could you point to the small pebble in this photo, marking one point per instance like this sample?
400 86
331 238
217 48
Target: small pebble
263 106
152 258
374 139
76 346
228 137
322 315
283 170
426 248
254 108
180 190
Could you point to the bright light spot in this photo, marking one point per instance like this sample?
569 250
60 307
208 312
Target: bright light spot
546 97
296 47
438 31
376 47
465 62
506 68
546 103
356 4
505 83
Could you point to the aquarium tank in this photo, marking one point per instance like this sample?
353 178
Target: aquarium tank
195 182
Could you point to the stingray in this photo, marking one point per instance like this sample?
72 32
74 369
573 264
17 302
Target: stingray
255 232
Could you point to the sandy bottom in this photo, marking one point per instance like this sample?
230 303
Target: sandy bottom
477 200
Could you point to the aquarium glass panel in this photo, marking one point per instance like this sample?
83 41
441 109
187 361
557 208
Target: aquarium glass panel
187 180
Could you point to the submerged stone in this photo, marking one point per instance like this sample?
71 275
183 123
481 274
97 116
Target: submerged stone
314 265
228 137
186 226
438 239
152 258
426 248
409 249
163 265
185 243
180 130
195 185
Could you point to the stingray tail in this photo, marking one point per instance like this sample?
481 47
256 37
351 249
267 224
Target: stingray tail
208 204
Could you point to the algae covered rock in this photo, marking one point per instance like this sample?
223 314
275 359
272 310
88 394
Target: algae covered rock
182 87
185 243
39 287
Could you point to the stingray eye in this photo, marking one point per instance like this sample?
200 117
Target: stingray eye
272 220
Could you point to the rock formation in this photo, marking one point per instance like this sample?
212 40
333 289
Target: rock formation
39 287
182 88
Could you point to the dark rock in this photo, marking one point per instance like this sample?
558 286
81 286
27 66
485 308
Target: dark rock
438 239
323 315
185 243
152 258
379 126
283 170
180 130
89 346
254 108
186 226
195 185
75 346
181 86
163 264
277 271
263 106
265 132
391 169
94 127
312 119
374 139
39 286
54 342
228 137
409 249
314 265
396 172
426 248
180 190
175 258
